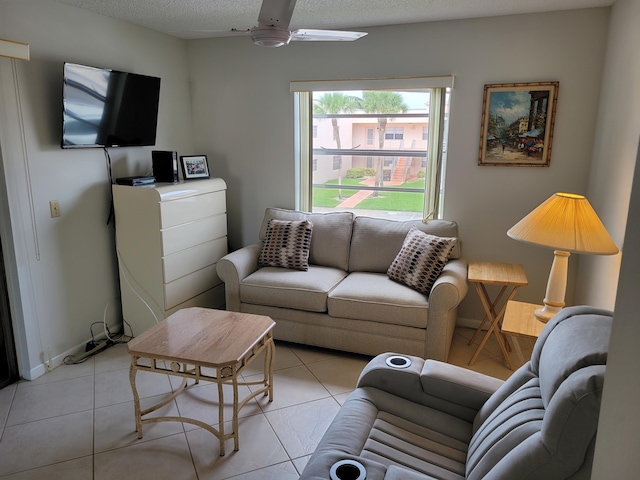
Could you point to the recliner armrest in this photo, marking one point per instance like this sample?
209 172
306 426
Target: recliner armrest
235 267
395 472
403 382
448 388
458 385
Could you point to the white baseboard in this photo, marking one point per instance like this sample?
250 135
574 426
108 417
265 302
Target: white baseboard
470 323
58 360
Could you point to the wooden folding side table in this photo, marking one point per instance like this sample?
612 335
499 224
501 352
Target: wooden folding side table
509 276
520 321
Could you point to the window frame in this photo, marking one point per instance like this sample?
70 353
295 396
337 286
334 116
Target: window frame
303 109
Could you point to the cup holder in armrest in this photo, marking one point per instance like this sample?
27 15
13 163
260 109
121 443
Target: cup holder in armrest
347 470
399 361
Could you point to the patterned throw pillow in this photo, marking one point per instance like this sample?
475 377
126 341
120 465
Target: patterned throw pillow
286 244
421 260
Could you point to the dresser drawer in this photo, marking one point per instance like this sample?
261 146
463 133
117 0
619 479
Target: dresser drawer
192 259
189 286
189 209
187 235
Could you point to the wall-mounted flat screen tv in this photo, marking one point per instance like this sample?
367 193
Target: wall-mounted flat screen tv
108 108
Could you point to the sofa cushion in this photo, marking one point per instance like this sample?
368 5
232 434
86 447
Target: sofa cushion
331 234
286 244
375 242
375 297
421 260
280 287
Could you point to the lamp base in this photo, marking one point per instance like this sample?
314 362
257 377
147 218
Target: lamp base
545 313
556 287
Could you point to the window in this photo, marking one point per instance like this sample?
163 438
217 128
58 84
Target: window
369 136
394 133
376 146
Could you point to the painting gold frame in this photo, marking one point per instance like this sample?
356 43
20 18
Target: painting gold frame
517 124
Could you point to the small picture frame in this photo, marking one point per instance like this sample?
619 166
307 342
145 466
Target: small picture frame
194 166
517 124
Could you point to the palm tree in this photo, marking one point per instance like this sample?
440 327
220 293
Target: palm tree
382 102
332 104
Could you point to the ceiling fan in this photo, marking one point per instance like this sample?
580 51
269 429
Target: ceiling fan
273 27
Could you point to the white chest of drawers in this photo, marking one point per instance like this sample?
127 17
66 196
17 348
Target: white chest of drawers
169 238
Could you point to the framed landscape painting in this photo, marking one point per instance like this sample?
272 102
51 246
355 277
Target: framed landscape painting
517 124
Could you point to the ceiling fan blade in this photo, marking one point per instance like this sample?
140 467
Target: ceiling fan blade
310 35
199 33
276 12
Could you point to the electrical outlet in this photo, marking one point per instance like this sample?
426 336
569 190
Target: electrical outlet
49 363
54 206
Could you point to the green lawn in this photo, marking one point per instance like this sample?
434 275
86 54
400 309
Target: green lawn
328 197
419 183
392 201
345 181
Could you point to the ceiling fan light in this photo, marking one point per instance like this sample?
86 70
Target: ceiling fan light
270 36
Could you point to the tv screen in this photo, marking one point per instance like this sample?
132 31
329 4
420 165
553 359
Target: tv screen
108 108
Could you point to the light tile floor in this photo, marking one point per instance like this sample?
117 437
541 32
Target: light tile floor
76 422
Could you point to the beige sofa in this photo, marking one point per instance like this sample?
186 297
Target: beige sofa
345 300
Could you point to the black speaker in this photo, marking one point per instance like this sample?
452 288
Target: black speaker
165 166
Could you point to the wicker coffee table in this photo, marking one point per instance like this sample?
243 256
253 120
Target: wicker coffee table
193 338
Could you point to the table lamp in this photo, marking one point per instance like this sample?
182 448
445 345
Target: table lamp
567 223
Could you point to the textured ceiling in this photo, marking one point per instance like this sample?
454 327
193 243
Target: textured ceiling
216 18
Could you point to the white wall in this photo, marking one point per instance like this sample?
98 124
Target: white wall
243 88
64 273
55 298
612 183
615 146
618 440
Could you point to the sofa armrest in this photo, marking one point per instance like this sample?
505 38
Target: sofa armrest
235 267
450 288
446 294
448 388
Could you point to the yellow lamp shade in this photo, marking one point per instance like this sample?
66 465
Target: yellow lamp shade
565 221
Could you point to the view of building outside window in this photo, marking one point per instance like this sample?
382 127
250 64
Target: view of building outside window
370 152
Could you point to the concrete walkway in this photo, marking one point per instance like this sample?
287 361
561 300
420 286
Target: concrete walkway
359 196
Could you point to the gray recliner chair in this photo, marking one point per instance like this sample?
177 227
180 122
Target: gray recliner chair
432 420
